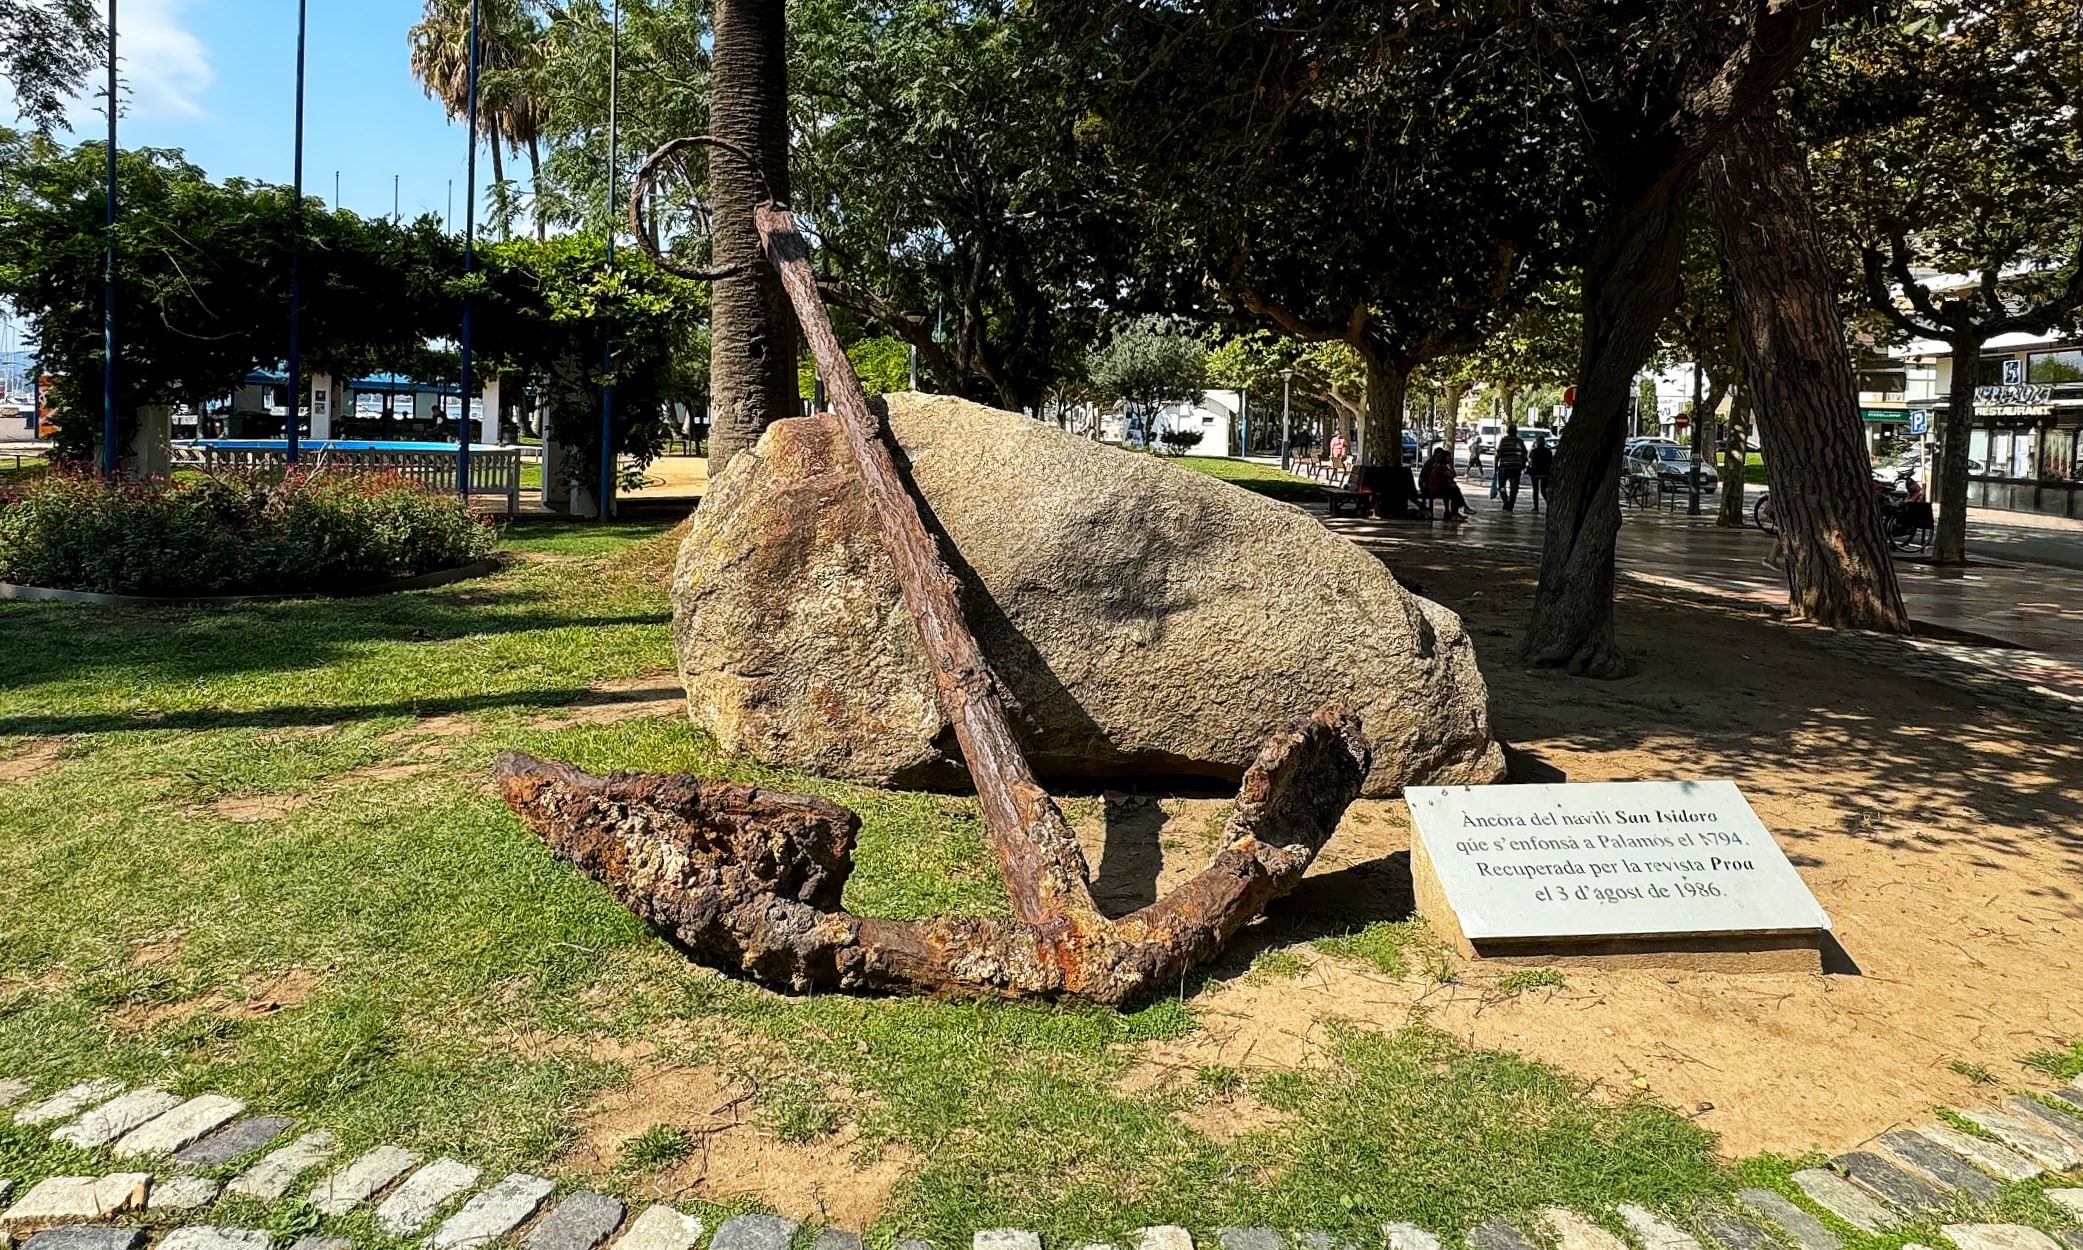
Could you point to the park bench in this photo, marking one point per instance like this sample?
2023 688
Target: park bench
1352 493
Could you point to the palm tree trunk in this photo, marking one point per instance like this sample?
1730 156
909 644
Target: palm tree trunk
542 229
498 171
752 332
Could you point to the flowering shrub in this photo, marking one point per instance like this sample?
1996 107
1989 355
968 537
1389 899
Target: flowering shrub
266 534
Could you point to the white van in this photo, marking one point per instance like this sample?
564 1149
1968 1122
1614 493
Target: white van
1487 432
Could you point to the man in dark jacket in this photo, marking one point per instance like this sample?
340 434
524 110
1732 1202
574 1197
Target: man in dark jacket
1511 462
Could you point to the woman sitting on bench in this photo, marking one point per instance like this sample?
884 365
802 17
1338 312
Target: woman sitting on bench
1439 484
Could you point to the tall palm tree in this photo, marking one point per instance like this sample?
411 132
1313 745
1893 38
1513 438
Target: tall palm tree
507 49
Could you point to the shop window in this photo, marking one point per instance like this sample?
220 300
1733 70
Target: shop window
1989 371
2065 366
1978 451
2058 462
2023 444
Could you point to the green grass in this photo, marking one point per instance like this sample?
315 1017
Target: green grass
1514 984
2062 1065
1387 945
384 952
578 538
1264 479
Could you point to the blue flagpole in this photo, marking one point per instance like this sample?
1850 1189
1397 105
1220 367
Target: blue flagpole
111 456
607 389
469 266
292 393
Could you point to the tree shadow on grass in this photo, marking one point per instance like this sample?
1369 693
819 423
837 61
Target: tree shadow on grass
180 646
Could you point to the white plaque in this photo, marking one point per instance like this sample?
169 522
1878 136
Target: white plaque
1608 860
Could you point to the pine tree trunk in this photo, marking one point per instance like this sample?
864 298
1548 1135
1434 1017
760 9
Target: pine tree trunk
1949 537
1838 569
1630 286
752 333
1735 462
1387 391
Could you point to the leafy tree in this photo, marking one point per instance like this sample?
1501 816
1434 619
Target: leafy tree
546 310
46 49
202 293
1400 188
1951 145
1147 363
1654 89
939 160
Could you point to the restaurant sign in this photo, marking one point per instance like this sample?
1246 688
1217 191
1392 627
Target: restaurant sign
2016 399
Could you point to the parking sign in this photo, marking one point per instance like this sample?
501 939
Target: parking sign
1920 421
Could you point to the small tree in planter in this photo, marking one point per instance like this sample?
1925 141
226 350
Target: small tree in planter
1146 363
1178 442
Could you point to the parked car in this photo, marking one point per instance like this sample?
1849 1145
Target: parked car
1673 463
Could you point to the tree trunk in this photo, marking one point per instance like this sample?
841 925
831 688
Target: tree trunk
1735 463
752 337
542 225
1838 569
1949 536
498 173
1630 286
1450 412
1387 390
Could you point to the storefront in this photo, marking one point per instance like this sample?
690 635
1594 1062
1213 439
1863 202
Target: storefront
2026 450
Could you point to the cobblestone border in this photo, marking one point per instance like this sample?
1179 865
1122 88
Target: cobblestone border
1938 1175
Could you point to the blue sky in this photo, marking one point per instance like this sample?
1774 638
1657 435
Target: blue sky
215 78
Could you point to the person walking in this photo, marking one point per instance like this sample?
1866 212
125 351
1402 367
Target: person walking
1475 458
1511 462
1338 450
1539 461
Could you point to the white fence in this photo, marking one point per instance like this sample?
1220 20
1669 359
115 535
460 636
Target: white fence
494 471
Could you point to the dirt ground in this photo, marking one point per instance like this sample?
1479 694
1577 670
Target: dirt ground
1942 837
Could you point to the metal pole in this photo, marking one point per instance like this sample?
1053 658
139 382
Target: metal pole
110 456
292 394
1692 505
394 199
469 267
607 350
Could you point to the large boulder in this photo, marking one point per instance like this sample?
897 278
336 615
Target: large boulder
1144 618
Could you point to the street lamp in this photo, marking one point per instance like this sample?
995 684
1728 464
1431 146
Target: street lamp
915 319
1286 412
607 348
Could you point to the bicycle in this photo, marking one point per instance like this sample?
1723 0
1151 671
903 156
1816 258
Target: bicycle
1761 515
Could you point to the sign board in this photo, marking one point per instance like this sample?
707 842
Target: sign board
1920 421
2013 371
1555 865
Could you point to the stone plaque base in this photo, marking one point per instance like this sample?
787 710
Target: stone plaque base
1709 952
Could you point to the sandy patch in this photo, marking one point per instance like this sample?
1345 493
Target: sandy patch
33 760
445 725
287 989
830 1180
1943 836
628 698
247 809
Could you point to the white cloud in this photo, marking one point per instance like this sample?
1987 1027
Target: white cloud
165 68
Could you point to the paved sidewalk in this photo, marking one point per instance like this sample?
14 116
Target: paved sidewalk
2033 613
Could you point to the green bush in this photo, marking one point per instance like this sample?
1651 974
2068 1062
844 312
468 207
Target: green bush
265 534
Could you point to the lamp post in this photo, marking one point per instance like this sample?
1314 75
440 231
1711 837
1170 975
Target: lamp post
110 457
293 384
916 319
607 388
1286 416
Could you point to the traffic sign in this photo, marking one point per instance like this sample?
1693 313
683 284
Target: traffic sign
1920 421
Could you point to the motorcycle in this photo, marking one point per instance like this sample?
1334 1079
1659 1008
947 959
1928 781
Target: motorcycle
1905 511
